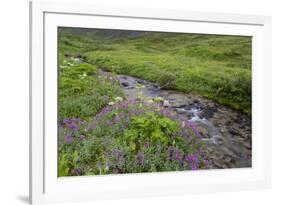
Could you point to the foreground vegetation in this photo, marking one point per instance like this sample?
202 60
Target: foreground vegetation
130 137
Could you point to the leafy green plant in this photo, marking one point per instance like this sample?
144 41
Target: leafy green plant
68 162
63 165
151 127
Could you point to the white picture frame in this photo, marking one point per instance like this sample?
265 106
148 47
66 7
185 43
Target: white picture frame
46 187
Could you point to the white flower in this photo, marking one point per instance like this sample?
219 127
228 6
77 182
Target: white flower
182 124
166 103
118 99
111 103
83 75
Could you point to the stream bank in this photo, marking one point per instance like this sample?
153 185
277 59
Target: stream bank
226 132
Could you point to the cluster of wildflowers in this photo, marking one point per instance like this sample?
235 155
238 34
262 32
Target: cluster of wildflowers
116 100
116 155
72 129
193 161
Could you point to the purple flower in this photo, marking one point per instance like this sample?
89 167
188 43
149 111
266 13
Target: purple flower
117 119
77 120
73 126
68 139
104 111
178 155
109 123
125 104
140 158
146 145
117 153
67 121
167 112
72 123
193 161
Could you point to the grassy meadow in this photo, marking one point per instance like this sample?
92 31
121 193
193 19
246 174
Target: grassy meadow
217 67
101 132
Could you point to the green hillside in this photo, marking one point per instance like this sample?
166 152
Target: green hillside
214 66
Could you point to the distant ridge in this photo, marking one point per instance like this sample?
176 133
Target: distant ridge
105 33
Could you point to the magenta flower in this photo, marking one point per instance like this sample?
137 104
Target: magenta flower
68 139
178 155
117 119
146 145
72 123
193 161
73 126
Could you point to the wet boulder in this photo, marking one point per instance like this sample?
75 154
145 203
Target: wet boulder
125 84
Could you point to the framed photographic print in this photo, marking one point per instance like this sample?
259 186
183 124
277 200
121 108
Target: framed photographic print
130 102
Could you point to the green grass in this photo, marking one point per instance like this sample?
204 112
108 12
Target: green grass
217 67
82 92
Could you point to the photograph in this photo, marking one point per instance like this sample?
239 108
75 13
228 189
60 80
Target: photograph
132 101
